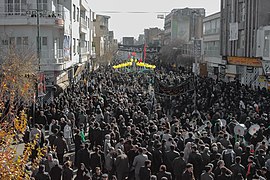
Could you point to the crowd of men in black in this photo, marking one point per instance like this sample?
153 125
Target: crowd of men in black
120 131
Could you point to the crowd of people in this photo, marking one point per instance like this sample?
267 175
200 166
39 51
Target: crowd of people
117 129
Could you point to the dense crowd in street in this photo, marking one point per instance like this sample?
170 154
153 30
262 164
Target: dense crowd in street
117 129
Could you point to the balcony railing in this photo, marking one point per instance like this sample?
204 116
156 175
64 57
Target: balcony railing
83 23
53 56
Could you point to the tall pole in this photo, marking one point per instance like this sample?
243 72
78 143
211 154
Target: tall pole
196 61
38 36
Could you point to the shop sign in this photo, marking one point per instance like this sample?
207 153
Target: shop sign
245 61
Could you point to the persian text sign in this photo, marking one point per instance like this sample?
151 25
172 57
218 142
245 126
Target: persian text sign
244 61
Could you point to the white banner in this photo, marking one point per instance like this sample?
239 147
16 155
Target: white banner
233 31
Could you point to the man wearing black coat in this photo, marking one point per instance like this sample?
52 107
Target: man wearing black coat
95 159
195 158
163 173
188 174
84 156
42 175
157 158
145 171
179 165
170 156
238 168
56 172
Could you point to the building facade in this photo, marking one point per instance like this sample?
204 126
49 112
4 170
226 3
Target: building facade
240 22
183 25
58 31
211 46
128 41
101 35
154 36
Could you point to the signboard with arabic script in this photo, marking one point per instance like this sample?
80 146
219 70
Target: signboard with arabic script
245 61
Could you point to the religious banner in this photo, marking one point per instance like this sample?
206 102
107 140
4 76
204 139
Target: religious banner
164 89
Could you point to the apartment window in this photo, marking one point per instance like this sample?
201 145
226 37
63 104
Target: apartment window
12 41
74 11
19 41
15 7
44 41
78 46
242 39
25 40
74 45
4 42
43 5
78 14
242 16
266 43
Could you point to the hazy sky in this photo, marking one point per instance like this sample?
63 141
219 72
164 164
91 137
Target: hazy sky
126 23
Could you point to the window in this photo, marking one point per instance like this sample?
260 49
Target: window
25 40
78 14
12 41
4 42
266 43
19 41
74 45
78 46
242 16
43 5
44 41
74 11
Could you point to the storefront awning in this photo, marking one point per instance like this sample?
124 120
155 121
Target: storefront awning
79 70
63 85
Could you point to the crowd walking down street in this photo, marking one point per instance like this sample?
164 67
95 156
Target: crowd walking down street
111 125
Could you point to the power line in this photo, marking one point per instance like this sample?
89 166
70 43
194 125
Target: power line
132 12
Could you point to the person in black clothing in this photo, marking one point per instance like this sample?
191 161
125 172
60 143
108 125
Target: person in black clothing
188 173
95 159
195 159
157 158
78 145
82 173
238 168
225 174
97 175
179 165
56 172
163 173
67 171
42 175
145 171
84 156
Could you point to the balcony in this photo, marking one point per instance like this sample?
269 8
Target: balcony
52 60
83 25
84 4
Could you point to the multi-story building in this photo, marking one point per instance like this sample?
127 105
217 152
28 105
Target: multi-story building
153 36
211 44
101 35
128 41
183 25
57 30
240 21
141 39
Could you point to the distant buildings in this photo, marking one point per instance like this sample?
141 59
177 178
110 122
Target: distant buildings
128 41
153 36
183 25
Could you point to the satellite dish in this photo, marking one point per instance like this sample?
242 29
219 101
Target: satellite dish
253 129
240 129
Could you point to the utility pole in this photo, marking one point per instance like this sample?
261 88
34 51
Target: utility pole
194 13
